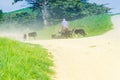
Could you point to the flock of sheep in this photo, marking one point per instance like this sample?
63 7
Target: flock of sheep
69 33
63 34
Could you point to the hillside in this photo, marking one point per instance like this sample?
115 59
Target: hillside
19 11
20 19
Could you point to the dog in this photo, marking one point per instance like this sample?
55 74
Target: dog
79 31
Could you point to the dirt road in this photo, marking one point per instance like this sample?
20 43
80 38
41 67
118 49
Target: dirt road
93 58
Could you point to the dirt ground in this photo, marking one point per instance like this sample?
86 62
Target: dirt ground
91 58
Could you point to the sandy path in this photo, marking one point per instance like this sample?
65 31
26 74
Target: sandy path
93 58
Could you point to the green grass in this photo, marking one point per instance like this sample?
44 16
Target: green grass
22 61
93 25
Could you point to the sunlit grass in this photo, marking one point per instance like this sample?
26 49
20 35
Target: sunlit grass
20 61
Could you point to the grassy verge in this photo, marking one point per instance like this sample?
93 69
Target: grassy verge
93 25
20 61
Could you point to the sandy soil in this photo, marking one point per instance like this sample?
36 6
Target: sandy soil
92 58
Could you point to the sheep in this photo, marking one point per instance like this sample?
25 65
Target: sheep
30 34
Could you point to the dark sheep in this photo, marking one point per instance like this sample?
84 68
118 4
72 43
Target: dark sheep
53 36
66 33
31 34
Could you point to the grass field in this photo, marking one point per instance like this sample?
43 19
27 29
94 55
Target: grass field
22 61
93 25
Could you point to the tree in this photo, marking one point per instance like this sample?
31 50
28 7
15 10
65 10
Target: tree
73 9
1 15
41 7
70 9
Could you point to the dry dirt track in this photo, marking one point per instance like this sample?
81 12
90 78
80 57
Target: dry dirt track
93 58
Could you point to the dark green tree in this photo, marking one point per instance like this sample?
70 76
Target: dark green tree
73 9
1 15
